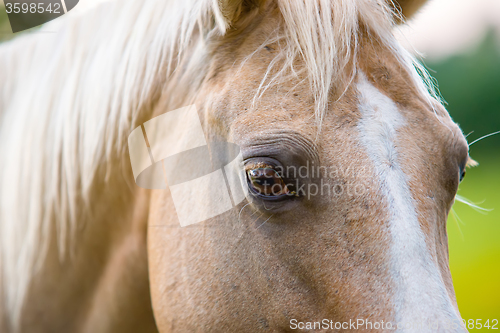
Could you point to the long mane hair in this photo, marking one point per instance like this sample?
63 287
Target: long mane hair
68 100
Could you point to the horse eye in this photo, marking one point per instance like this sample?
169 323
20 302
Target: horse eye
267 182
462 169
462 174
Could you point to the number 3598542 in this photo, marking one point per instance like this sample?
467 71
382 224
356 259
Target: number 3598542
40 8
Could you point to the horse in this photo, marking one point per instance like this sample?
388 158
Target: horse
320 84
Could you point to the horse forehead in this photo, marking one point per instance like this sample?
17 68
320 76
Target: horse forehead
412 266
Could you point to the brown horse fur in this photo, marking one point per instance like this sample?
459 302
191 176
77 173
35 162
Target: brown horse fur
130 267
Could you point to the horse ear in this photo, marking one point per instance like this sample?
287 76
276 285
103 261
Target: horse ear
407 7
228 12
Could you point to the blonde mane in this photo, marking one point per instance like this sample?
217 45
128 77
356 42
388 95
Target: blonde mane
69 100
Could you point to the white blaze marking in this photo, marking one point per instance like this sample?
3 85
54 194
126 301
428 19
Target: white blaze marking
420 293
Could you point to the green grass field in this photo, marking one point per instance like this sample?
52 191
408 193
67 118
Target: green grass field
474 240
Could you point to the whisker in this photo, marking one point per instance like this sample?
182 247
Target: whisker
241 210
484 137
240 237
264 204
246 229
265 221
259 217
458 221
473 205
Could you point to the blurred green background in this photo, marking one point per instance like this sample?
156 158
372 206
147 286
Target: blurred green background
470 83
